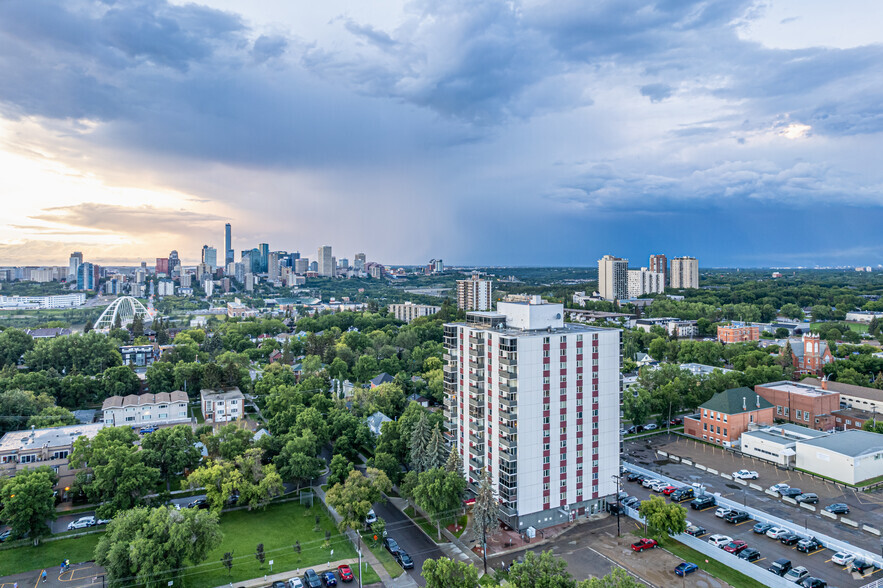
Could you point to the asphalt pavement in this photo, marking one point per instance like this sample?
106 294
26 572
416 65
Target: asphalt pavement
409 537
818 563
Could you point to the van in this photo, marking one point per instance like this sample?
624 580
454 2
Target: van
780 567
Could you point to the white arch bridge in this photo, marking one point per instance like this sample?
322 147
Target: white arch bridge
126 308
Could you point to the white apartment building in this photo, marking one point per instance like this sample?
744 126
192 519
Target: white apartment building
474 294
644 281
325 261
141 410
684 272
222 406
613 278
552 456
165 288
409 311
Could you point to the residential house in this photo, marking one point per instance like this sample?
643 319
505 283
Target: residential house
375 422
222 406
146 410
383 378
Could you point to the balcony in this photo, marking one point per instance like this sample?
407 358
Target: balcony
508 402
508 374
510 387
477 402
504 361
476 437
473 340
450 378
508 456
450 357
476 422
477 390
476 363
509 443
476 463
508 510
507 429
477 377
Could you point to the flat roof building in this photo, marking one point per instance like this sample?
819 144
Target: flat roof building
222 406
799 402
777 443
850 457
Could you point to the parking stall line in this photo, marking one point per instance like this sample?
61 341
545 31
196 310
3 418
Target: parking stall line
743 522
817 551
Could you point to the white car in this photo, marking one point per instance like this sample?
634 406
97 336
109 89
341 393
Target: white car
651 427
295 583
777 533
103 521
778 488
81 523
719 540
648 483
371 518
722 511
841 558
745 475
659 486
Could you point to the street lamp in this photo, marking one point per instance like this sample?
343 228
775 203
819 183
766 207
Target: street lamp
618 506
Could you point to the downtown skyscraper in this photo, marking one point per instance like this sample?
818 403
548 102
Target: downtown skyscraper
228 245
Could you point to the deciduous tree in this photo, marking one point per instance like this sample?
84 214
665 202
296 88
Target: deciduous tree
28 503
171 450
447 573
662 517
354 498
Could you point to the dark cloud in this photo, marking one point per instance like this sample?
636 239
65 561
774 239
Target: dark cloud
117 219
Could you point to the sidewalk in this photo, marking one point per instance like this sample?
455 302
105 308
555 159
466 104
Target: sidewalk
263 581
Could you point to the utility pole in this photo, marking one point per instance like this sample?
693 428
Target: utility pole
359 535
618 506
484 546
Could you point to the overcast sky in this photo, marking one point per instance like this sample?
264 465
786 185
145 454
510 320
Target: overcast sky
489 132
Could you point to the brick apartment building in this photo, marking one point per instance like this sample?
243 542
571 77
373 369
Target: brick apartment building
737 333
798 402
725 416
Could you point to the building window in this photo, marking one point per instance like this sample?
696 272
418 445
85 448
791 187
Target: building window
545 500
579 453
806 416
545 486
725 432
786 411
563 417
130 419
725 418
704 426
28 458
545 447
798 414
563 470
564 496
718 430
545 459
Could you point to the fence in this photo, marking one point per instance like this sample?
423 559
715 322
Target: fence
762 517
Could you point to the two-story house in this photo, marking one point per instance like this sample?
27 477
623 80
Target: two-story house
142 410
222 406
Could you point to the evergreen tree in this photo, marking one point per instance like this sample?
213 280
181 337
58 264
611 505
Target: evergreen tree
436 450
117 322
455 462
419 442
485 512
88 326
137 326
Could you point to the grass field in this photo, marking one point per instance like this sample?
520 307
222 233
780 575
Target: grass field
391 566
857 327
713 567
425 524
277 527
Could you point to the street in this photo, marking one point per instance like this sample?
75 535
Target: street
409 537
60 524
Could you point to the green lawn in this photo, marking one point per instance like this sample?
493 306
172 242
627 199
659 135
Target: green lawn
857 327
277 527
391 566
425 524
26 558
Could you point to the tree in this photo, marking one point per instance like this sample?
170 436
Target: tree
439 493
365 368
16 406
791 311
436 450
617 578
160 377
388 464
447 573
541 571
137 326
485 512
662 517
52 416
88 326
260 555
120 381
171 450
141 545
14 343
227 560
294 464
245 476
29 503
454 462
658 348
636 405
419 442
354 498
120 478
340 470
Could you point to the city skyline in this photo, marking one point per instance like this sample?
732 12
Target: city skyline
496 133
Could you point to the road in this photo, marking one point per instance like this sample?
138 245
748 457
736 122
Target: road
818 563
60 524
410 537
866 508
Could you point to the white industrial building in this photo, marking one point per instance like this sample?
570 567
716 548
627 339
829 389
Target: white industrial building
776 444
850 457
535 400
55 301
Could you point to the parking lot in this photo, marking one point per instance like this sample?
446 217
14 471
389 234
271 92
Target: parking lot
818 563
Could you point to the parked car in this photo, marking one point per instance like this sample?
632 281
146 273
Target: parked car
838 508
722 511
791 492
778 487
651 427
695 530
789 539
630 501
648 482
295 583
745 475
329 579
391 545
737 516
809 545
370 518
311 579
5 535
861 567
735 547
198 503
808 498
669 490
345 573
659 486
81 523
719 540
777 533
814 583
278 584
842 558
403 559
750 554
703 502
685 568
103 521
634 477
146 430
676 421
780 567
762 528
643 544
682 494
797 575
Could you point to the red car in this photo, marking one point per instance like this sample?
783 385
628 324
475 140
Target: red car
345 573
735 547
668 490
642 544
